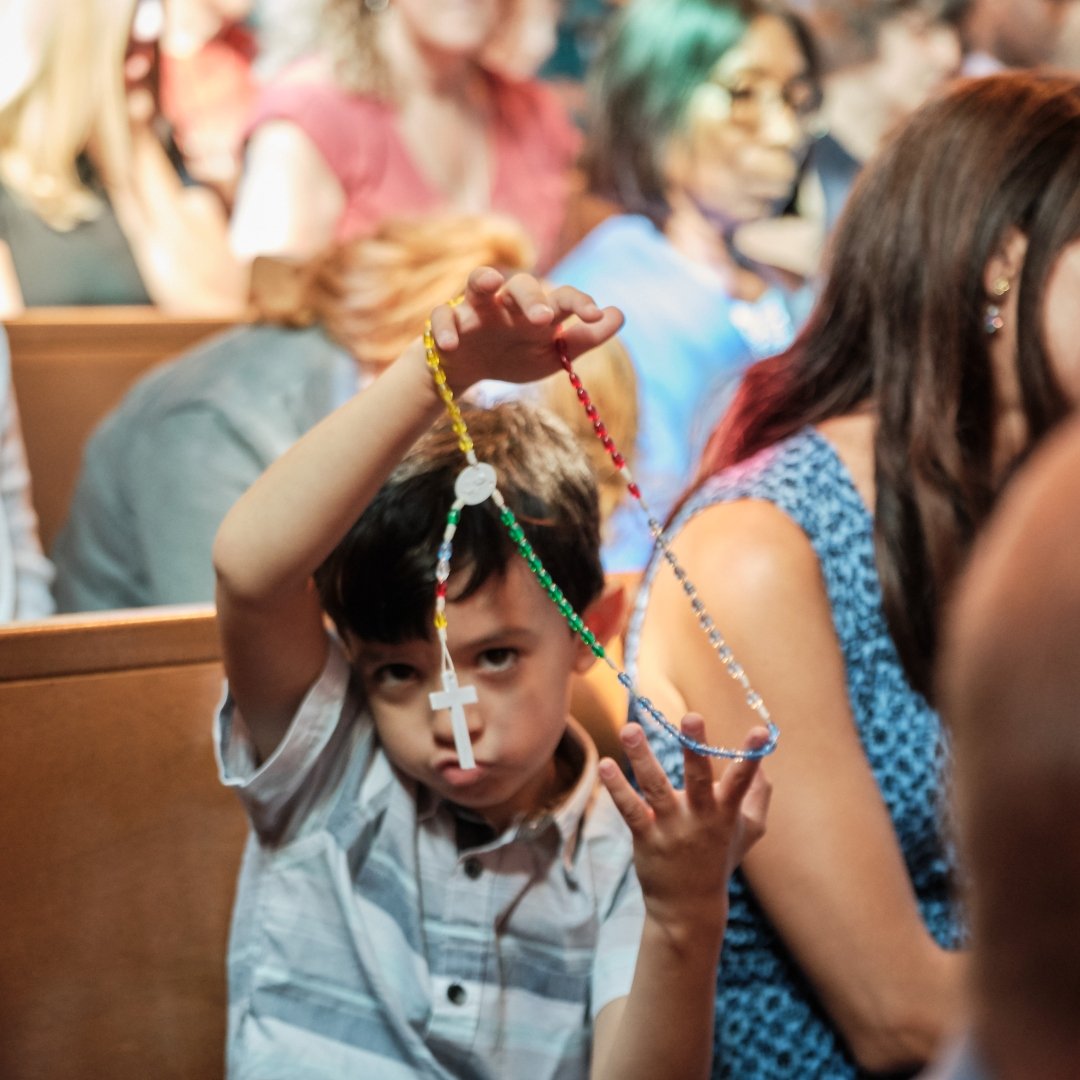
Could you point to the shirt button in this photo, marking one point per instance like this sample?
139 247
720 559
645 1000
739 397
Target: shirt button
473 867
456 993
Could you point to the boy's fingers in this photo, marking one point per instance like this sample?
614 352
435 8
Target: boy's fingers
480 293
739 775
528 296
581 335
444 327
651 778
697 769
484 282
567 301
634 812
755 807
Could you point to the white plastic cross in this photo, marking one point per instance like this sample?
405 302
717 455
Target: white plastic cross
455 698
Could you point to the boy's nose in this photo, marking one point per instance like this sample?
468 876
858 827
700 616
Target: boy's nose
455 703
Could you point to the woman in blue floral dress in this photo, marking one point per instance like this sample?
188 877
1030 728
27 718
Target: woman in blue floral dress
835 505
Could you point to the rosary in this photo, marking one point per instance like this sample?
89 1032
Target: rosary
477 483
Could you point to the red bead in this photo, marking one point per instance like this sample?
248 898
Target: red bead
598 427
608 441
617 459
582 394
440 589
575 381
633 489
590 411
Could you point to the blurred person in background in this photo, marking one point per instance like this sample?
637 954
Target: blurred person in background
407 108
208 86
1022 33
92 208
161 470
25 573
881 59
696 125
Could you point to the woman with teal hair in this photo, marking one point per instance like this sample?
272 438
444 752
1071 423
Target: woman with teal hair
697 125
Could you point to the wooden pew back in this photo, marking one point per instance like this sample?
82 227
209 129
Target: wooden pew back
119 849
70 367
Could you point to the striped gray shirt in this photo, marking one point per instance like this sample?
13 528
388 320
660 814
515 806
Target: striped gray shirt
369 940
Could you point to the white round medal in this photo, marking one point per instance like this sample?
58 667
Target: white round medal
475 483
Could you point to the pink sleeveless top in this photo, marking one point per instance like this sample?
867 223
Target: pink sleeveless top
533 146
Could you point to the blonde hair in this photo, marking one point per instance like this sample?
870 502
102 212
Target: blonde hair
608 374
372 295
74 98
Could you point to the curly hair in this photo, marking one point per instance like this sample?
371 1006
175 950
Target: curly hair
372 294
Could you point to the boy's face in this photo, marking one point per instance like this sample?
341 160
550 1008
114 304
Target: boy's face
510 642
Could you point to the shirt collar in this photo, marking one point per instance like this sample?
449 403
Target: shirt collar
566 816
570 811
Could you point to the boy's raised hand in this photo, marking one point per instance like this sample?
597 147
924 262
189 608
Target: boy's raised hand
505 328
687 843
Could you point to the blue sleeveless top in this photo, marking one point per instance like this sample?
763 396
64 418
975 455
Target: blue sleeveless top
769 1022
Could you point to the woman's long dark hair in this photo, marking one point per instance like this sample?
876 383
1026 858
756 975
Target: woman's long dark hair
899 328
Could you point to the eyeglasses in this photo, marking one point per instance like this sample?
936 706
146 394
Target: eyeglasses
751 99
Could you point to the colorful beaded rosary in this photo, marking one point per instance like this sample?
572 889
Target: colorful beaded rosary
477 483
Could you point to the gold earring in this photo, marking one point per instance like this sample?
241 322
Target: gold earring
1001 286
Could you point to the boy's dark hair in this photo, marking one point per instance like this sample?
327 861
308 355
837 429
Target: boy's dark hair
378 583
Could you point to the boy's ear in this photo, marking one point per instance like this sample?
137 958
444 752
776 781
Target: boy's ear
604 617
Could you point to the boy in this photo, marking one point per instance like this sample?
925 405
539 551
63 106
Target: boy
401 914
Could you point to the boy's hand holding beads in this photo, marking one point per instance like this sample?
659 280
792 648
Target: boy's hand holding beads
506 328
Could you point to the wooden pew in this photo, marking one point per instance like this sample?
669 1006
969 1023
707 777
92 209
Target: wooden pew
119 849
70 367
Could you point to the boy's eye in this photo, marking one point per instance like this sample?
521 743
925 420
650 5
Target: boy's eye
393 675
497 659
